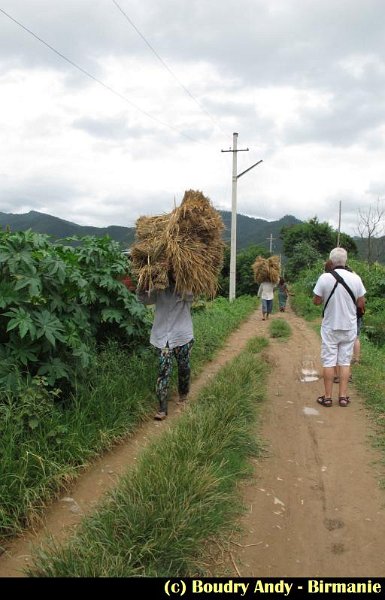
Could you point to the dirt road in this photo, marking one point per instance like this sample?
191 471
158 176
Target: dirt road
315 507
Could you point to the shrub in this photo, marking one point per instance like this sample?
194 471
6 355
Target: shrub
57 302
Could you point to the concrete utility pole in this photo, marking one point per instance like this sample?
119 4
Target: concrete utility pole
233 246
271 242
339 226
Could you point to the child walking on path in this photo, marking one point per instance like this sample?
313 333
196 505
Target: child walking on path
283 293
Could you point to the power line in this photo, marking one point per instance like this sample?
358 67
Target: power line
165 65
107 87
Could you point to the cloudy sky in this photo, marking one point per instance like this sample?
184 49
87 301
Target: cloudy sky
111 109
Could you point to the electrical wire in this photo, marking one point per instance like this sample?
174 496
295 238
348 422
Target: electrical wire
107 87
165 65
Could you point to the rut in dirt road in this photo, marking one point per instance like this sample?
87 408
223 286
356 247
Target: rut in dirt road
315 508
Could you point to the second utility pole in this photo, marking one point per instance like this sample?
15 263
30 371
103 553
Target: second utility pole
233 246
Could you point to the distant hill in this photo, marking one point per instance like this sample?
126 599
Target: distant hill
249 230
257 231
59 228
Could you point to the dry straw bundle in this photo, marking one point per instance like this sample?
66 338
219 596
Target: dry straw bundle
266 269
187 242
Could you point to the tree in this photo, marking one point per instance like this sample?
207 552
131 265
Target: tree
303 256
245 283
370 227
321 236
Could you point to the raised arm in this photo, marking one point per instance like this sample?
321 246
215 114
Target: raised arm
145 296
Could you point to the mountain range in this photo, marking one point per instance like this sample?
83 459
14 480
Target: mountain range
249 230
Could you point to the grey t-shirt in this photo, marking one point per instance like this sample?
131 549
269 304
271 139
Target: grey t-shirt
172 321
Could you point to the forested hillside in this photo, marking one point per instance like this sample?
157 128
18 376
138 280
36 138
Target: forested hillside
249 230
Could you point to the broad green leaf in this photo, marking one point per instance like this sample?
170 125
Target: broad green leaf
8 294
33 284
20 319
49 326
112 315
54 370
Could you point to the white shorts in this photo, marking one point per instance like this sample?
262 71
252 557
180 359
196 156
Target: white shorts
337 346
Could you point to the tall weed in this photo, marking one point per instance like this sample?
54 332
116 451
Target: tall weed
44 444
182 492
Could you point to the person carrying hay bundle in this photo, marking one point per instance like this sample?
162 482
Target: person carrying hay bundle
187 242
173 337
176 257
266 273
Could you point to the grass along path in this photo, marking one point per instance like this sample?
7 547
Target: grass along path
182 492
82 496
44 445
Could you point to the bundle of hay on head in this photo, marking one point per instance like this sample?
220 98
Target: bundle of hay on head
266 269
149 261
187 243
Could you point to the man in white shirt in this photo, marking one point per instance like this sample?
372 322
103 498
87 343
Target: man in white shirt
341 292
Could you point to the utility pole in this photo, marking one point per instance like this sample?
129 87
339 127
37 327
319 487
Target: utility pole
339 226
271 242
233 246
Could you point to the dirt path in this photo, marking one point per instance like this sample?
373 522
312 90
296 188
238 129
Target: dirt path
64 515
315 506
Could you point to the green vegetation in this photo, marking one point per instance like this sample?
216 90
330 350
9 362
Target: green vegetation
305 243
182 492
373 277
245 283
320 236
279 328
44 442
59 302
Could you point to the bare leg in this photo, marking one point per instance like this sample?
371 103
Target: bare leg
344 377
328 373
356 350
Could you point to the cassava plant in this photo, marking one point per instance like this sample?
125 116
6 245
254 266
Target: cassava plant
56 302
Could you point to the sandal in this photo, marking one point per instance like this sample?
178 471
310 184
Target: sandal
343 400
324 401
160 416
182 400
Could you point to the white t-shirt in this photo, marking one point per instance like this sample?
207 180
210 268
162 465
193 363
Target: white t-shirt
172 322
266 290
341 312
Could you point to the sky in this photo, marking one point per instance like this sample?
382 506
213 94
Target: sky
111 109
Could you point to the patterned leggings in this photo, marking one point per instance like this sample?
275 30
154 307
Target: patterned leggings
182 355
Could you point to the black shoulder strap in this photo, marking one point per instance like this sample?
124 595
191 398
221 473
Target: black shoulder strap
340 280
330 295
347 288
